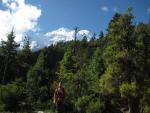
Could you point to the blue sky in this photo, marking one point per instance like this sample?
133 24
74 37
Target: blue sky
50 21
86 14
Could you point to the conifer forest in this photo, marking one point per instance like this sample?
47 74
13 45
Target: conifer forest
110 73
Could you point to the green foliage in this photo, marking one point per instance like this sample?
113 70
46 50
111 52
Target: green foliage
38 81
145 102
8 48
26 46
12 97
82 104
67 64
120 78
87 104
8 51
104 75
110 80
128 90
95 106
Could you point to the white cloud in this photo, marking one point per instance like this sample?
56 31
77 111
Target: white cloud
65 34
33 45
148 10
105 8
23 17
115 9
62 34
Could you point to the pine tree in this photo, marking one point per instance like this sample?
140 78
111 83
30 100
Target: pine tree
38 82
23 57
9 52
101 35
143 63
26 51
76 29
119 60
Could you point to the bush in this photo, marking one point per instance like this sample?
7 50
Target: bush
145 102
128 90
11 97
95 106
82 103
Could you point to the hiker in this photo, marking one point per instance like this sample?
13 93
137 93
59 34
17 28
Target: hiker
59 96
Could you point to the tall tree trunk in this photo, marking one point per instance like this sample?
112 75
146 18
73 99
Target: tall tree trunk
5 71
133 105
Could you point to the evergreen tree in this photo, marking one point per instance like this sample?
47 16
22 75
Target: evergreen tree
101 35
38 82
105 75
119 60
23 57
26 51
142 63
9 53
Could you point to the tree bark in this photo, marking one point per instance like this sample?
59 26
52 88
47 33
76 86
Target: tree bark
134 105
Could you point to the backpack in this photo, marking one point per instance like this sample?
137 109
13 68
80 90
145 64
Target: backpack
60 95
